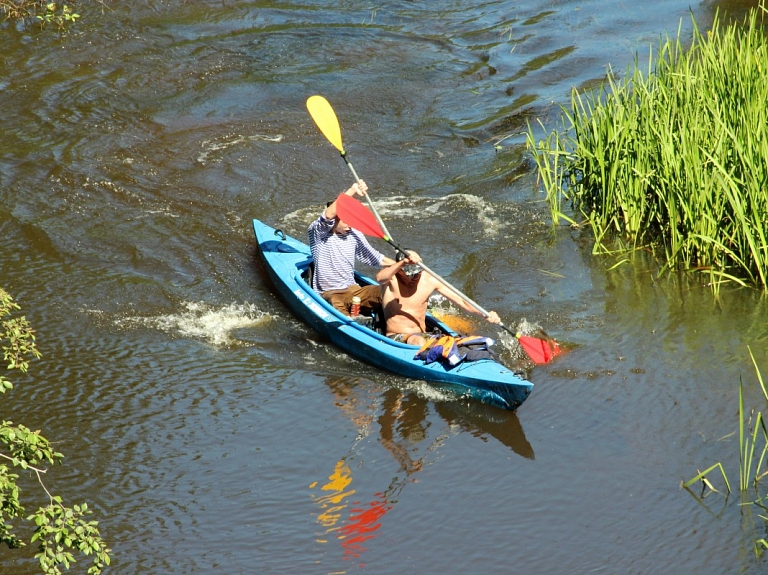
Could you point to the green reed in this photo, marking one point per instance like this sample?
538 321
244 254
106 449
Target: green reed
753 459
675 157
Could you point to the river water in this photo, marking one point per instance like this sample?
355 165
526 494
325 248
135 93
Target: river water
212 432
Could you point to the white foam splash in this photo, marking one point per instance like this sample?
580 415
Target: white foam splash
512 344
232 140
202 321
301 218
404 208
431 392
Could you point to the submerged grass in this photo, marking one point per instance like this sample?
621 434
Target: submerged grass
753 459
675 157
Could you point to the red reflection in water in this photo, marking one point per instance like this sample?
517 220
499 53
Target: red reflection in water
362 524
402 427
363 521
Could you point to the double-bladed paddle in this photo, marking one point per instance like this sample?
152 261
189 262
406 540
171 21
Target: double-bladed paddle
357 216
371 224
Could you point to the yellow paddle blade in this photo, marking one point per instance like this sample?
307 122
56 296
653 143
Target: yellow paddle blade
456 323
326 120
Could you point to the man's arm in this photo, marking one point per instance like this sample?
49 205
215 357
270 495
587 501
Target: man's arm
356 189
441 288
392 267
385 275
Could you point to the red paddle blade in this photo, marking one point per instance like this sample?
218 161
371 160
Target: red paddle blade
539 350
356 215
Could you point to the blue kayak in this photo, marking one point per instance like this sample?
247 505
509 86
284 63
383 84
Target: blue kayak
287 263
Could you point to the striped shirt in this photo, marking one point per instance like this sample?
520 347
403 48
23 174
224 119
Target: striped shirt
334 255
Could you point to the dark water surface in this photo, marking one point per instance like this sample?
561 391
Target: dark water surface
214 433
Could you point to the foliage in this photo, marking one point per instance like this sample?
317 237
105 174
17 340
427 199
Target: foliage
673 157
59 15
59 530
44 12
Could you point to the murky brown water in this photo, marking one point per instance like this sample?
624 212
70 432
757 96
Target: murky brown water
214 433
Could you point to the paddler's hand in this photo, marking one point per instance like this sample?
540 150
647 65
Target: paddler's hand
493 317
413 258
357 189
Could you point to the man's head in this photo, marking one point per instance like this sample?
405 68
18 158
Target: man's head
340 227
411 271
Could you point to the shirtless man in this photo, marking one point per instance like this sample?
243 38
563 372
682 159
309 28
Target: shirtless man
406 291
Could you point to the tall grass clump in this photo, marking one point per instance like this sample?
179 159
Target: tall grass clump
675 157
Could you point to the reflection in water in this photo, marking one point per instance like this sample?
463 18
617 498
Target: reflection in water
403 425
408 416
333 504
482 420
363 520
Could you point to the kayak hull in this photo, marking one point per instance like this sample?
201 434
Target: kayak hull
286 260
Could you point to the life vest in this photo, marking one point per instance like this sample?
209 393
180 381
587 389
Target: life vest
449 348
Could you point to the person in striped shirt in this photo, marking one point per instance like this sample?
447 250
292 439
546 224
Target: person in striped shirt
335 246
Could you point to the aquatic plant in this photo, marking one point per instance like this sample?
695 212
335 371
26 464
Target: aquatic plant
44 12
753 460
55 14
673 158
